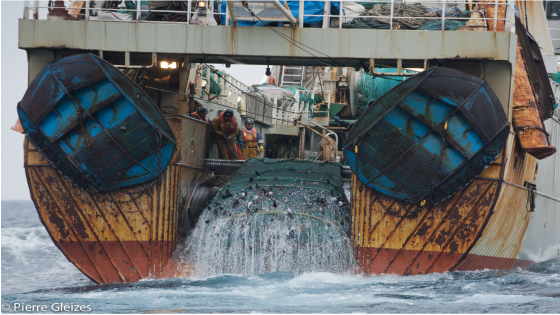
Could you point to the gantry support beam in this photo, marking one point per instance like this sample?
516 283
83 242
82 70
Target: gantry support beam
260 45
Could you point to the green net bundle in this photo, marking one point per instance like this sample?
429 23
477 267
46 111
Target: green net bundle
369 5
215 87
555 77
372 88
450 25
131 5
275 215
365 23
303 97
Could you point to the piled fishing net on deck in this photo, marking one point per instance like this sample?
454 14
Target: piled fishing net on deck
170 6
408 17
410 11
274 215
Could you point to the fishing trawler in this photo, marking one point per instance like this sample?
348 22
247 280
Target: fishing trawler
451 159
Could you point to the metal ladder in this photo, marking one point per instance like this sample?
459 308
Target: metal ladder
292 76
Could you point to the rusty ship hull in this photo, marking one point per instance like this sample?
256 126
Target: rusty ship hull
130 234
481 227
493 222
123 235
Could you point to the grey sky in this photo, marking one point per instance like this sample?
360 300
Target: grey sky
14 84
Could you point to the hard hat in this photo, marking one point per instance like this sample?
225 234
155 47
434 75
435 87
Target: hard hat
202 110
228 113
249 121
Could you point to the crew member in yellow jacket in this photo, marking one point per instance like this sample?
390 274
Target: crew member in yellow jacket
252 143
225 131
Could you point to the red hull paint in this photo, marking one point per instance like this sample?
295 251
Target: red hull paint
480 262
413 262
406 262
121 261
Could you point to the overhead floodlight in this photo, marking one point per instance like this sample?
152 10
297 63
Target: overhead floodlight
202 4
166 65
268 73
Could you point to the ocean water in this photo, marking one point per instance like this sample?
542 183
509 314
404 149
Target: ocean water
35 272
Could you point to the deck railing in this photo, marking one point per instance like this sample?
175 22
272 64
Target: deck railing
277 111
90 13
259 106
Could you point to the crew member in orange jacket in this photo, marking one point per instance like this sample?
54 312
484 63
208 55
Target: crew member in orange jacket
252 140
225 130
201 114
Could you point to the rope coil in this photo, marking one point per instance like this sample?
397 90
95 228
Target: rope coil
402 10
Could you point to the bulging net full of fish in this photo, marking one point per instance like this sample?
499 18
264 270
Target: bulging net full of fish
274 215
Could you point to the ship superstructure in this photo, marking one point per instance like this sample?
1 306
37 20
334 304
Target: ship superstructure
323 53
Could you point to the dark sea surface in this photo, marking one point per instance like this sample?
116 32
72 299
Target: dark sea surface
35 272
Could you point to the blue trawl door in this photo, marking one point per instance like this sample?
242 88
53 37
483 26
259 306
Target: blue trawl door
428 137
94 125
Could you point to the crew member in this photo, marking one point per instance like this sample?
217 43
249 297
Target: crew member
201 114
225 130
349 126
252 140
344 124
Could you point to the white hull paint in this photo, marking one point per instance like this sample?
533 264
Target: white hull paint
542 239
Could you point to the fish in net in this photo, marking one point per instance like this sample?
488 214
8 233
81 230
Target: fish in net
274 215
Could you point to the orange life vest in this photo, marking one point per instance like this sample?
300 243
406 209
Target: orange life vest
200 118
226 126
246 135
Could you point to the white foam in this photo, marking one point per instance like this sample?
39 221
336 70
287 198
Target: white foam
254 245
499 299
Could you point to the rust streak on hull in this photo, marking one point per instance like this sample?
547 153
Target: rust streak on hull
498 246
526 114
480 227
400 238
123 235
399 265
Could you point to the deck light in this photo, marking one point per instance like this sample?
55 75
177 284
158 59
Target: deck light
166 65
202 4
267 73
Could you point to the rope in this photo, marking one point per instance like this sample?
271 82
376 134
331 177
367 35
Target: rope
169 6
402 10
